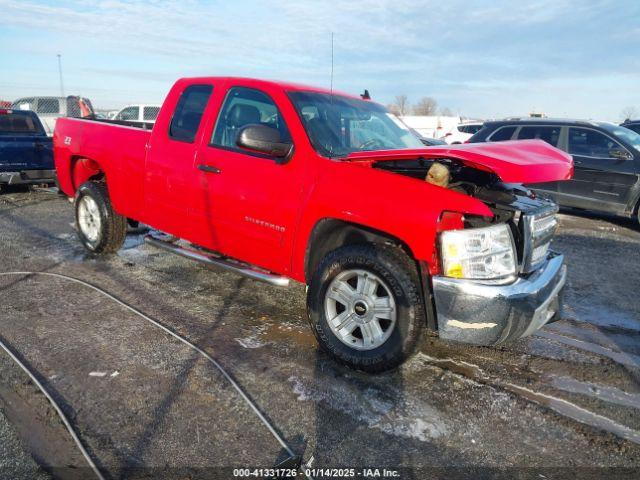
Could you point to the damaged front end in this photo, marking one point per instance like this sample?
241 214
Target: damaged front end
489 311
498 278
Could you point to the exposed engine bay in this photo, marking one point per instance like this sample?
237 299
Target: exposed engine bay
507 201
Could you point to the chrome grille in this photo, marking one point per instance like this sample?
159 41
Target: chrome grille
538 228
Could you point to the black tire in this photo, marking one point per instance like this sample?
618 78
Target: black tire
112 227
399 272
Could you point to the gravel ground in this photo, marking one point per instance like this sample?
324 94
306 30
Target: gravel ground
561 403
15 461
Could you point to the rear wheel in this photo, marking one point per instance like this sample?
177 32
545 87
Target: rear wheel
100 228
365 307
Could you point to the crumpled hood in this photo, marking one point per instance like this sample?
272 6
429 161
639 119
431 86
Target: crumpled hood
518 161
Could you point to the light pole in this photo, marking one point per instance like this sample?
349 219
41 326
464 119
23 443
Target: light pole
60 72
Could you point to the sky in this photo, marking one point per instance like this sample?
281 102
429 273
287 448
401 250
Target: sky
480 59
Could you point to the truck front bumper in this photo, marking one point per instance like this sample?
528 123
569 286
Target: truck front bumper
486 314
27 176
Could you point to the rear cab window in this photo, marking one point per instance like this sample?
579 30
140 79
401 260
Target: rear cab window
20 124
188 113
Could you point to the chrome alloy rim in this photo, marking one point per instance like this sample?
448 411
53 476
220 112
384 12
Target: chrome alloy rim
360 309
89 219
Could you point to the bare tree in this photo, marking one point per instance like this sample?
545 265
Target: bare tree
402 104
426 106
628 113
446 112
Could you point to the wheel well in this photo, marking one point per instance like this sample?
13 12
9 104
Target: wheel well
84 169
330 234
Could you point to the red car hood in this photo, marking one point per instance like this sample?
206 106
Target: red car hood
519 161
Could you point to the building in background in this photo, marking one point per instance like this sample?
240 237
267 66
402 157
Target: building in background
436 126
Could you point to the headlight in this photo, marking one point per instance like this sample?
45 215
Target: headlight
478 253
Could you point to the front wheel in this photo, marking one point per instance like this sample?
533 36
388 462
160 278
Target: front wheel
100 228
365 306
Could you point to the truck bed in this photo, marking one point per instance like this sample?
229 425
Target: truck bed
110 147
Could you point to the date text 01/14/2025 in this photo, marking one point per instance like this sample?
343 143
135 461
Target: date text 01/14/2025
316 473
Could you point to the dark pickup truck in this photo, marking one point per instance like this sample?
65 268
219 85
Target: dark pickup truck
26 152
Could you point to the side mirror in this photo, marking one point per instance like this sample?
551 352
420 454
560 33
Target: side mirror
263 139
620 154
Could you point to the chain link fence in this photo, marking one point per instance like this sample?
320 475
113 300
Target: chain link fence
50 108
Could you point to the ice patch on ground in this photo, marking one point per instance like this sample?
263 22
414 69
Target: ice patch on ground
134 254
388 411
601 315
250 342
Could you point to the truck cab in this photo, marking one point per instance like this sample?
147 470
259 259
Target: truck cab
26 152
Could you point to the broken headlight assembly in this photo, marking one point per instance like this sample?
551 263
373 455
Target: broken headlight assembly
486 253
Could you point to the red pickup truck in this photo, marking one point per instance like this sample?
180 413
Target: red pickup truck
279 181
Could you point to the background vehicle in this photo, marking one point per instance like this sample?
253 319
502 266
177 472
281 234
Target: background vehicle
26 152
461 133
632 125
278 181
430 126
606 159
138 113
49 109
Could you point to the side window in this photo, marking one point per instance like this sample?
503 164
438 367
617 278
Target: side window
129 113
245 106
503 133
24 104
48 105
635 127
590 143
150 113
551 135
188 112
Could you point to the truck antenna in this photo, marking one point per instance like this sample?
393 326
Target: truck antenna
331 84
60 72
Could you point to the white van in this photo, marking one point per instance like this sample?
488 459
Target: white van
138 113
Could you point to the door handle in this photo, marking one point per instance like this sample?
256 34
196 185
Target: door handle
209 169
38 145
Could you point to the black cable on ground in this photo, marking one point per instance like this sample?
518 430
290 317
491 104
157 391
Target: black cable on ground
208 357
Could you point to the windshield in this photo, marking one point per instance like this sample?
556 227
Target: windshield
624 134
338 125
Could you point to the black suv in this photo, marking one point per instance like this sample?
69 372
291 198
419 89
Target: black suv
606 159
631 125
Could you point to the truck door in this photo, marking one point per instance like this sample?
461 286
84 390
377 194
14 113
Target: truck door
602 179
253 199
169 175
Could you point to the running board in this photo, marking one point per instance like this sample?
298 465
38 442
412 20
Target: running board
213 260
